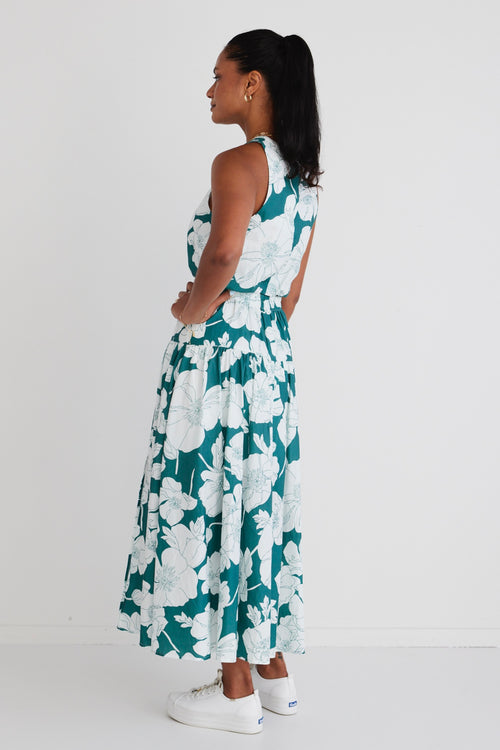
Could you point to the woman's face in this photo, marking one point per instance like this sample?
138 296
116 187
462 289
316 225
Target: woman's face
227 92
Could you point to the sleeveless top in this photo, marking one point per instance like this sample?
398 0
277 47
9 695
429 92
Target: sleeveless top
277 234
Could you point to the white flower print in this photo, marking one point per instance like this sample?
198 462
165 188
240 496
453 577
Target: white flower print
245 570
242 311
231 404
226 648
199 354
211 516
265 553
264 404
259 347
288 424
291 501
231 529
279 346
308 202
210 574
192 410
150 613
189 542
230 355
277 169
198 237
256 642
259 474
274 522
224 597
293 558
234 455
175 581
265 249
132 623
142 553
173 501
211 490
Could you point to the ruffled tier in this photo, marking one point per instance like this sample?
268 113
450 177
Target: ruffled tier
215 567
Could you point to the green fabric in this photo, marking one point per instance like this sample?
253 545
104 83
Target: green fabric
215 567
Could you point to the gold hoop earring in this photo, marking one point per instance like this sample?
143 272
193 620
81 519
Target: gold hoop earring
248 98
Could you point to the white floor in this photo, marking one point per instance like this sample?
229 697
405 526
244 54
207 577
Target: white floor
96 697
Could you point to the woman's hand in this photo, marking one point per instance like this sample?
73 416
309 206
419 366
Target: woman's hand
177 308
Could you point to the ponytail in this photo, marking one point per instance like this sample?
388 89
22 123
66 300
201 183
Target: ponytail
287 65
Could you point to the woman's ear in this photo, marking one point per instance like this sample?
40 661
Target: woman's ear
254 82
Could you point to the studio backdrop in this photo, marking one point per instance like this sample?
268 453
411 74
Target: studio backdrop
107 144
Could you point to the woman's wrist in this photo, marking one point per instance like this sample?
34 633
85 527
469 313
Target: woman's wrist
181 318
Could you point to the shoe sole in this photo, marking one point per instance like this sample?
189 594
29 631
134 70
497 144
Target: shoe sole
278 706
177 713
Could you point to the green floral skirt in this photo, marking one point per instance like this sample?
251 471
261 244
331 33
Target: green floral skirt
215 565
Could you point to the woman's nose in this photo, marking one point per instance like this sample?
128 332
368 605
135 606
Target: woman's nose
209 92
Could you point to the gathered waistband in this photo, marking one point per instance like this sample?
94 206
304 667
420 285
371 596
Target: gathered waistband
255 297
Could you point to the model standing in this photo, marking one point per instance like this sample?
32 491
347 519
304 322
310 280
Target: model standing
215 568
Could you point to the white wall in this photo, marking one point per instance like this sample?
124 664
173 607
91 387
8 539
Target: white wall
107 143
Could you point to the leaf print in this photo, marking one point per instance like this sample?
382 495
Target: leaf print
268 610
215 558
262 518
184 620
233 354
253 615
197 529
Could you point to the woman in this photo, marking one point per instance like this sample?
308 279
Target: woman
215 568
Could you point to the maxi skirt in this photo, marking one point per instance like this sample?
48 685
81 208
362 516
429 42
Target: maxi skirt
215 567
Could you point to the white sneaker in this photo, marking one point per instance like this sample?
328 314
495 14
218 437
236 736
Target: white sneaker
207 706
276 694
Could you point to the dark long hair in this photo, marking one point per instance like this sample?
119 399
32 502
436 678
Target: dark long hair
287 66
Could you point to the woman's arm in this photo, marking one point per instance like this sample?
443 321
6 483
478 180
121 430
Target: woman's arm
234 190
288 303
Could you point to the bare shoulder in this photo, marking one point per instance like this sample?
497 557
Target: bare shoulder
240 161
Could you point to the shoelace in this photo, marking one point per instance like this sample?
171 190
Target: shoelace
210 687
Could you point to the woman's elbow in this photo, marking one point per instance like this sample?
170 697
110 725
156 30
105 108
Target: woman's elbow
224 256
